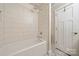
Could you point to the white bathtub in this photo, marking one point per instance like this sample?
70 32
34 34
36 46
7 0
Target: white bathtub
25 48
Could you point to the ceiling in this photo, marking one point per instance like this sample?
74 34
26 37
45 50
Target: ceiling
38 5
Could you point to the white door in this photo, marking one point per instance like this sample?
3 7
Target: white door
65 28
67 35
68 28
59 29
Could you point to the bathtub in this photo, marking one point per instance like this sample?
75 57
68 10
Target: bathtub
25 48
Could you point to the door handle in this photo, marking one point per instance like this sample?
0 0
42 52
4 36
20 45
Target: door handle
75 33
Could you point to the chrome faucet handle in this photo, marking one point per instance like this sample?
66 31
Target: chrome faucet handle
0 11
41 33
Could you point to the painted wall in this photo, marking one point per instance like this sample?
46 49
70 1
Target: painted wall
43 20
57 5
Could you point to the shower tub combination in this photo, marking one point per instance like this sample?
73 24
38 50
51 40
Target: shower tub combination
20 28
25 48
